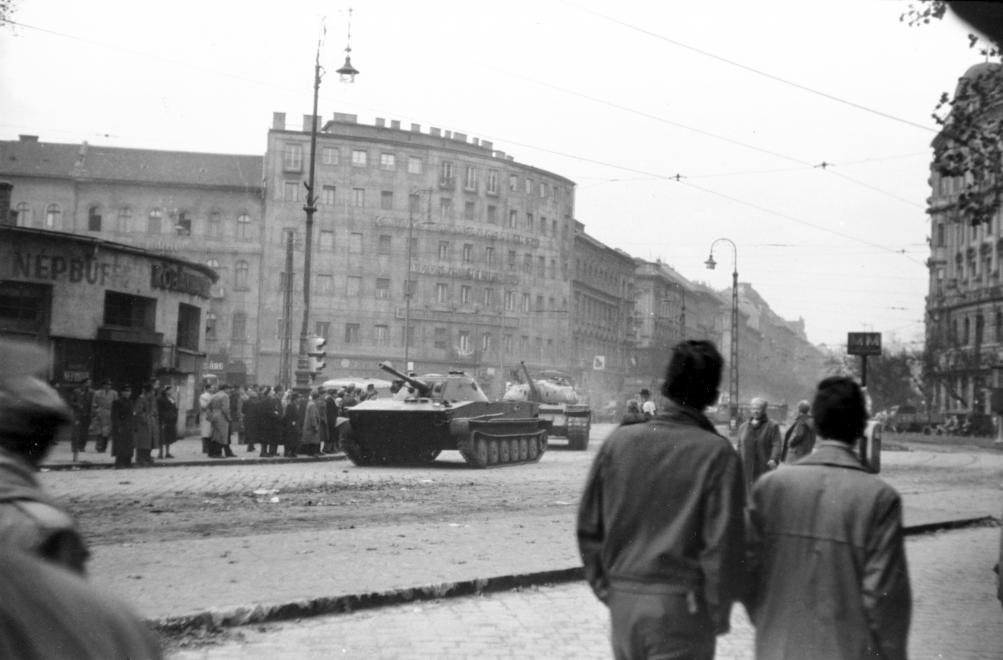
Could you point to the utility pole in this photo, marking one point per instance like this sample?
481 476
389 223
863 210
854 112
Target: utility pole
287 316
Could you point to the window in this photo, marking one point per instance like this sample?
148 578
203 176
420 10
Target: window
353 286
322 329
243 227
358 196
539 303
22 215
240 273
127 311
527 262
543 225
999 327
492 182
292 157
23 304
210 327
381 334
468 253
511 259
489 297
94 219
486 342
414 165
470 178
351 333
215 226
441 292
383 288
325 284
388 162
291 191
939 241
492 215
386 199
329 156
489 256
355 243
326 239
189 319
510 301
529 187
525 302
359 158
529 222
238 327
53 217
513 182
464 341
154 223
468 210
446 207
553 228
543 190
512 215
440 338
327 195
464 294
446 172
383 244
443 250
414 202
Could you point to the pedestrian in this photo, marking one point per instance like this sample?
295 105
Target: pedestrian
660 524
122 444
219 417
331 444
826 547
82 402
350 398
205 424
270 420
101 414
647 405
799 440
370 392
310 440
633 414
167 413
292 423
146 426
759 443
252 419
33 417
236 394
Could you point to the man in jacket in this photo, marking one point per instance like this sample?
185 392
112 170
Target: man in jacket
759 444
799 439
826 547
660 526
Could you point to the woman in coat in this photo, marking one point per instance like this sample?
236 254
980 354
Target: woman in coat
219 417
146 425
167 413
121 428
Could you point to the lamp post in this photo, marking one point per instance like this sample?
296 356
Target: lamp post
346 73
733 370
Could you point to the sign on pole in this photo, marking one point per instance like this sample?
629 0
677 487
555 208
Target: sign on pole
863 343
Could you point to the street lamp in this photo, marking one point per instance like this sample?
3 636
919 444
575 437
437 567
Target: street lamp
733 370
347 73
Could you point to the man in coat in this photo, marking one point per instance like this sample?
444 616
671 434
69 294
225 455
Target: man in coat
292 423
799 439
122 444
826 547
103 399
660 524
82 402
759 444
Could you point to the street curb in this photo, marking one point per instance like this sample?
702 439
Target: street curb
170 463
227 617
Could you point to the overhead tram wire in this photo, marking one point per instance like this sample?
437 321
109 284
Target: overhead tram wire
754 70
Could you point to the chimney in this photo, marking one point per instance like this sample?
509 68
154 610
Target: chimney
395 124
434 132
381 122
344 118
28 138
447 134
308 123
416 128
487 145
278 121
460 137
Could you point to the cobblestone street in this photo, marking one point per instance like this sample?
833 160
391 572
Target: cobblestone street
956 616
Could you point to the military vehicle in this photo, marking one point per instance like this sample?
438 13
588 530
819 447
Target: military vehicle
437 412
559 402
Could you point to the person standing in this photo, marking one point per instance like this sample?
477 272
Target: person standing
270 419
146 426
252 418
660 524
219 418
237 398
205 424
167 413
799 440
826 547
330 412
648 408
103 399
292 423
82 402
313 428
122 445
759 444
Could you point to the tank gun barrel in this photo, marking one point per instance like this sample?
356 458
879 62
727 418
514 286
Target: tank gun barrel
421 386
534 392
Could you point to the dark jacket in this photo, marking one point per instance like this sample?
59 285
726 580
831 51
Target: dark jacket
121 427
828 561
270 419
662 510
757 445
799 440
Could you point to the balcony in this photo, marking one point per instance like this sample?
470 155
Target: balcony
447 182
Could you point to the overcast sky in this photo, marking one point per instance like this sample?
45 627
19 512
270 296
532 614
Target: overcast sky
743 100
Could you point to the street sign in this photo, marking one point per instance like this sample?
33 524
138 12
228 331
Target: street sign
863 343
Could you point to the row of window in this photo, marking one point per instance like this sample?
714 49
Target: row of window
180 222
966 336
293 161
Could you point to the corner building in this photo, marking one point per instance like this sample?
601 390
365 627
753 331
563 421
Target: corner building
482 242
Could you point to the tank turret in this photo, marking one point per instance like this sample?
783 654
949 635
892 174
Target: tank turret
559 402
420 386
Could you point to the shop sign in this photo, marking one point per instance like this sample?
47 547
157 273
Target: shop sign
176 278
55 267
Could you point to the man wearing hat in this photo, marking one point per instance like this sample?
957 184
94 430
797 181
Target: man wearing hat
103 398
32 417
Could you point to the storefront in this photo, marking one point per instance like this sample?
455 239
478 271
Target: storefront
105 310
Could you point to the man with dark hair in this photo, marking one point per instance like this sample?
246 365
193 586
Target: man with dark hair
660 526
799 440
826 547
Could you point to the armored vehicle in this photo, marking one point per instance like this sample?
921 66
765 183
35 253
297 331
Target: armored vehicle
437 412
559 403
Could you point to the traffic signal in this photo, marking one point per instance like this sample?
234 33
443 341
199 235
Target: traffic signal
316 354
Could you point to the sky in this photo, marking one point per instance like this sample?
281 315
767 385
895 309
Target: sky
799 130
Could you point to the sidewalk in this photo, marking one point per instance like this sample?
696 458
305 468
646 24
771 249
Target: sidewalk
212 582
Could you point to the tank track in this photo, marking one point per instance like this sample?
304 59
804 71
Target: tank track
483 450
578 432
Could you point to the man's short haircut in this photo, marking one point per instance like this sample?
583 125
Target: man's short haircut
803 407
839 409
693 374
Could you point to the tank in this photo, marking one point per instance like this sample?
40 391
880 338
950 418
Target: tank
559 403
438 412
